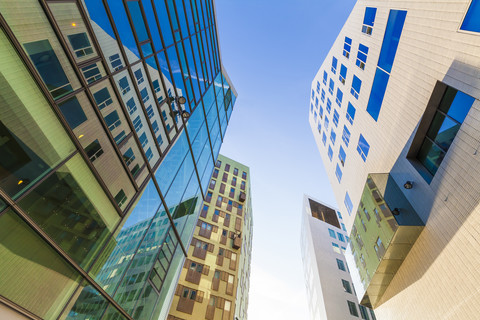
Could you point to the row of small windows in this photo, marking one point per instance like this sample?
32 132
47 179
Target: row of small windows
218 164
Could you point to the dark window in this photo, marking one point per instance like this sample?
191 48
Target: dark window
143 139
144 95
94 150
102 98
227 167
218 164
119 138
363 312
139 76
73 112
471 22
120 198
137 123
341 265
131 107
112 120
91 73
150 112
156 86
128 156
80 44
352 307
116 62
124 86
348 203
244 175
346 286
235 171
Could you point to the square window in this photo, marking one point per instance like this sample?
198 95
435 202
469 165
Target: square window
80 44
341 265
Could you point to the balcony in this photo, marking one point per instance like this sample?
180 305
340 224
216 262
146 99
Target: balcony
385 228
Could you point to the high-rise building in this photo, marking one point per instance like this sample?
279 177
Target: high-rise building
395 114
215 279
330 291
112 114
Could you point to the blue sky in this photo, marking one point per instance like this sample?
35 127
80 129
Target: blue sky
272 51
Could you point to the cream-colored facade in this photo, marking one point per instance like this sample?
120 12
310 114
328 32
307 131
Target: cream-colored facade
214 281
439 278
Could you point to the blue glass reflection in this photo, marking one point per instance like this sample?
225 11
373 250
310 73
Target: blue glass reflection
460 106
207 174
472 18
369 17
377 94
396 19
97 13
123 27
177 74
137 19
164 22
152 23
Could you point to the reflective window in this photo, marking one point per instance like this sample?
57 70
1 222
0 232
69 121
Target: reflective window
377 93
329 105
352 307
322 96
350 113
356 85
346 135
138 22
333 136
348 203
112 120
334 65
124 85
331 86
471 22
324 139
369 20
115 62
336 117
342 156
131 107
94 150
339 97
330 153
347 46
325 77
363 147
139 75
346 286
102 98
89 304
340 237
343 74
92 72
332 233
391 39
73 112
338 173
80 44
361 56
341 265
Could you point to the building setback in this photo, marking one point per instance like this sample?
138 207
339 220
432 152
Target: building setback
112 114
330 292
215 279
395 115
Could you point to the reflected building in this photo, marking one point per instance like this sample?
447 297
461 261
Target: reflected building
394 113
112 115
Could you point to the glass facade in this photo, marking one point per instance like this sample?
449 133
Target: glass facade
103 171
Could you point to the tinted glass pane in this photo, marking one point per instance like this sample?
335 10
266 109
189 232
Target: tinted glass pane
63 206
137 19
456 104
152 24
430 156
377 94
73 112
391 39
89 305
123 26
369 17
34 276
164 21
472 19
443 130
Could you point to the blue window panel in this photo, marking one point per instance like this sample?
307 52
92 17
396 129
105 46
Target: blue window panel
313 94
343 74
138 22
143 139
320 112
336 116
103 98
396 19
347 46
339 98
319 127
472 18
338 173
131 107
362 56
339 215
324 139
369 20
340 237
343 227
356 85
348 203
342 156
316 102
331 86
330 153
329 106
350 113
326 123
315 116
346 135
112 120
318 87
311 107
363 147
377 94
325 77
332 233
334 65
333 136
322 97
73 112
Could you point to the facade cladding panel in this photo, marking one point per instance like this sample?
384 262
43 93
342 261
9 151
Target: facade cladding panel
422 127
215 279
102 170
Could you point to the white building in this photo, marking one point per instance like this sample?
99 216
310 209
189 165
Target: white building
323 243
398 94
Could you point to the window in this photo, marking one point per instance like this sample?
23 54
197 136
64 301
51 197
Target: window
339 215
339 98
362 56
343 74
149 154
336 116
331 86
313 93
227 167
128 156
347 46
144 95
336 248
116 62
120 199
322 96
137 123
334 65
316 102
139 76
320 112
94 150
332 233
155 126
340 237
353 308
348 203
119 138
244 175
342 156
124 86
343 227
143 139
346 135
329 105
318 88
150 112
91 73
324 139
80 44
346 286
338 173
319 127
164 115
325 77
379 248
350 113
102 98
341 265
131 107
368 20
218 164
333 136
156 86
356 85
471 22
363 147
363 312
242 185
330 153
73 112
325 123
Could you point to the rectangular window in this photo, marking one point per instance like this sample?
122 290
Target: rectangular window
332 233
80 44
320 112
227 167
143 139
363 147
131 107
346 286
339 97
325 77
144 95
326 123
318 88
313 93
91 73
119 138
333 136
156 86
319 127
338 173
94 150
346 135
356 85
362 56
164 115
336 247
139 76
331 86
155 126
73 112
336 117
120 199
347 46
112 120
329 105
137 123
341 265
316 102
128 156
369 20
352 307
330 153
342 156
343 74
244 175
340 237
343 227
334 65
471 22
322 96
149 154
348 203
363 312
324 139
350 113
124 86
150 112
102 98
116 62
339 215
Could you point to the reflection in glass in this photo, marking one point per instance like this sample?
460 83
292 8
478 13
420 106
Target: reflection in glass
137 19
443 130
88 305
430 155
33 275
73 112
73 210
